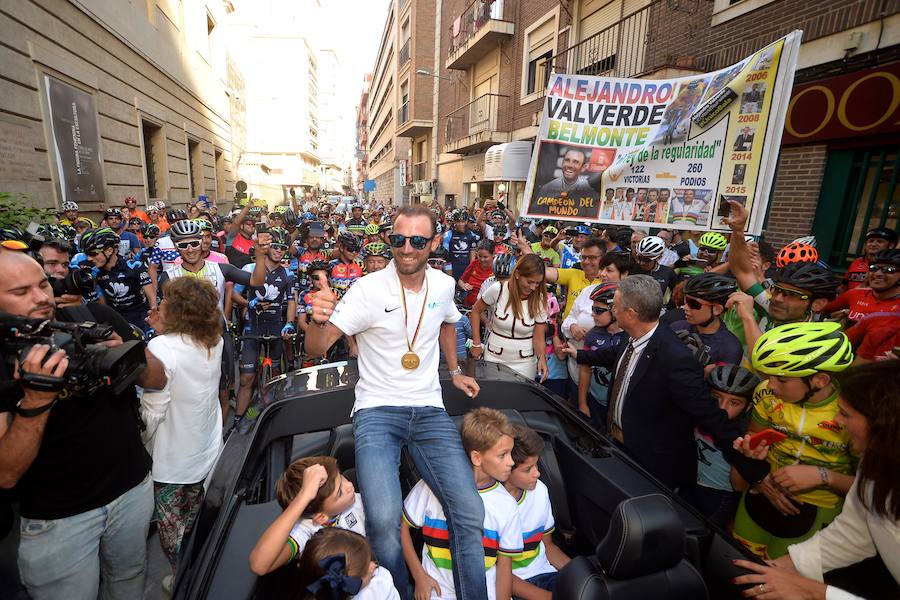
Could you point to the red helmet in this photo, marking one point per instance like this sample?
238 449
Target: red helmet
796 252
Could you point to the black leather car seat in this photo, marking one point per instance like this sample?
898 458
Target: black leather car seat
641 558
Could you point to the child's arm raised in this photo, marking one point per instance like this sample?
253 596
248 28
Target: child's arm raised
424 582
273 550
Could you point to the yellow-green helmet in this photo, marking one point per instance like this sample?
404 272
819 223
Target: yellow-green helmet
713 240
372 229
204 224
802 349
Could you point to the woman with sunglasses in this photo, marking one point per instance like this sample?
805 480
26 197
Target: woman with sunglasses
869 523
518 309
705 296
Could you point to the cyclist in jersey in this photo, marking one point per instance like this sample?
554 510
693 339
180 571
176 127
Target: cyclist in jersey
164 254
187 238
356 224
206 242
239 239
373 233
312 250
570 253
878 239
811 469
265 316
705 296
125 283
346 268
376 256
150 235
799 291
647 253
882 294
128 242
460 243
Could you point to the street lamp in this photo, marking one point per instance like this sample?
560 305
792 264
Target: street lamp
430 74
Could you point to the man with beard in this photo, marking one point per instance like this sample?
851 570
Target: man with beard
878 239
312 251
573 183
800 290
882 295
398 396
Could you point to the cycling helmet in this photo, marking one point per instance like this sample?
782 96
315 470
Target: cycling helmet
151 230
175 214
551 229
67 232
203 224
112 212
135 221
583 230
160 205
308 216
69 205
374 249
604 292
438 258
85 221
710 287
184 229
503 265
809 240
814 278
695 345
733 379
713 240
651 247
356 205
280 209
99 239
317 265
371 229
888 257
883 233
802 349
279 235
51 231
349 241
11 234
795 252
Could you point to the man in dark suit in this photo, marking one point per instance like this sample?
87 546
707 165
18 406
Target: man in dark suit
658 394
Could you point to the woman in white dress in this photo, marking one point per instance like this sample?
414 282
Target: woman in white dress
518 319
184 419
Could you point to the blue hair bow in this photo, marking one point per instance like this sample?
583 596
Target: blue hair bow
334 577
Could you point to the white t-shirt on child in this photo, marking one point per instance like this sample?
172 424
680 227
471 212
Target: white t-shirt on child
380 588
537 521
502 533
353 519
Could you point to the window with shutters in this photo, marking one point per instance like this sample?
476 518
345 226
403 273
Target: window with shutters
540 46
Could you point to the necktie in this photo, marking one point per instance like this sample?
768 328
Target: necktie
614 394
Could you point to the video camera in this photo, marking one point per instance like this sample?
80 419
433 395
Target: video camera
78 282
91 364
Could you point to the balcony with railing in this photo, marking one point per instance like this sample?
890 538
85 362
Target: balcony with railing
421 171
477 125
413 121
478 30
403 57
403 113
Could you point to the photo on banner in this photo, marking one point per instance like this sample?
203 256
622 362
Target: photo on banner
663 152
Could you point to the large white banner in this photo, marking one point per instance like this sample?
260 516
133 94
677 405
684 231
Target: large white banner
666 152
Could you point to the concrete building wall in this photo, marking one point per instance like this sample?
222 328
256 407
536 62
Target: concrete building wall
153 60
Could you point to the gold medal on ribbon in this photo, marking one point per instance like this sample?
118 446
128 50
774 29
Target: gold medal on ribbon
410 360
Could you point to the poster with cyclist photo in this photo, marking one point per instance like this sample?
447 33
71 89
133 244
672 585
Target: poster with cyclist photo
606 144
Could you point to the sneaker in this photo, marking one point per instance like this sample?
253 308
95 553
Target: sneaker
167 582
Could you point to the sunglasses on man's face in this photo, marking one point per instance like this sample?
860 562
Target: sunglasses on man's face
188 244
94 253
789 293
418 242
886 269
282 247
693 303
599 310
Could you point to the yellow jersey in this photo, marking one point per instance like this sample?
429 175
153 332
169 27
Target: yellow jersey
574 281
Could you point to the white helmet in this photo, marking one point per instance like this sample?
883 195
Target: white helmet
806 239
69 205
651 247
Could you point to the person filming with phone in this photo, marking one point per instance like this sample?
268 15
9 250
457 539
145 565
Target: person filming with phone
70 438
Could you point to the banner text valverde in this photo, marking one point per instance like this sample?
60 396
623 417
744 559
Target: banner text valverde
589 135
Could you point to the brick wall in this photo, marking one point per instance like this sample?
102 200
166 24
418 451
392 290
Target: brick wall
796 195
422 86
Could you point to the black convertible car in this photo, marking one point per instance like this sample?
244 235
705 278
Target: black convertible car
633 537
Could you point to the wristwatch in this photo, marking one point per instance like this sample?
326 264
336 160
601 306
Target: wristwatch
456 371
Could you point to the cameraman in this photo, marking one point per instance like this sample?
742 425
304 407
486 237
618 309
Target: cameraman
81 471
55 255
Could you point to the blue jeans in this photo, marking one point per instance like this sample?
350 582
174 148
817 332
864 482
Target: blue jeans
433 442
103 550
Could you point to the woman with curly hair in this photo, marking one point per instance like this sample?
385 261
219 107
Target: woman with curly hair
184 419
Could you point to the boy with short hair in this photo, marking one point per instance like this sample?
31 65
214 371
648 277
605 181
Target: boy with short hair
487 438
535 569
314 494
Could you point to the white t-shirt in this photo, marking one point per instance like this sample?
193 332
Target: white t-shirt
372 310
380 588
536 516
184 419
502 533
352 519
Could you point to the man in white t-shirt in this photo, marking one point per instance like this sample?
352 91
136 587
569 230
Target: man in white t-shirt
399 315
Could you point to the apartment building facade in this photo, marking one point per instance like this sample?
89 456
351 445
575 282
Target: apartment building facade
104 100
362 138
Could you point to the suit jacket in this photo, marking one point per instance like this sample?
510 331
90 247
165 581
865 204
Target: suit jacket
666 398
